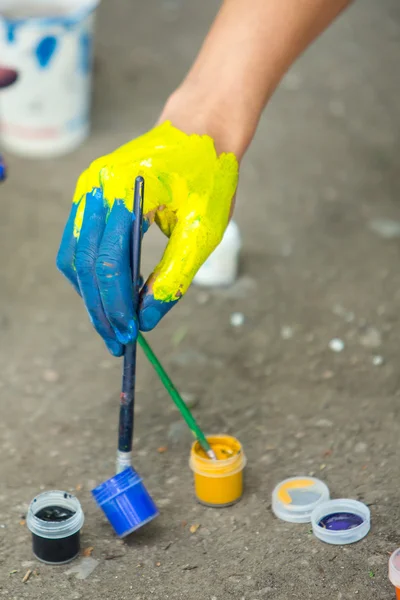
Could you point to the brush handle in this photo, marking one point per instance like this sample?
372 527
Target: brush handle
127 398
173 392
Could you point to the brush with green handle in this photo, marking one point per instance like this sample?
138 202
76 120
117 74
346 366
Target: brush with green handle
176 397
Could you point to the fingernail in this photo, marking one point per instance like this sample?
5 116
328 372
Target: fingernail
129 335
114 347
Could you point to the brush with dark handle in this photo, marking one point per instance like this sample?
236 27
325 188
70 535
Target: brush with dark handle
127 399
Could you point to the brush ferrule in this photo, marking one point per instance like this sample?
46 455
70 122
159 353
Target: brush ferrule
124 460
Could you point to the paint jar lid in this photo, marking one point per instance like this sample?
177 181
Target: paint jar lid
394 568
294 499
341 521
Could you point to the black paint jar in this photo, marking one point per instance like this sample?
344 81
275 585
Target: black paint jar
55 519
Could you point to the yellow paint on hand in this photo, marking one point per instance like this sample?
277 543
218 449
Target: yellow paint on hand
298 484
189 191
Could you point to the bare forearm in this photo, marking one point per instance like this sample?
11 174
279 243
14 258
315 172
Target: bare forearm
247 51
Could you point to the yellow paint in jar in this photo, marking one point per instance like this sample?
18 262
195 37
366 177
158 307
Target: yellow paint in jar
218 483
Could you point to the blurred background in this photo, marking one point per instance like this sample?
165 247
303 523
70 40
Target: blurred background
318 208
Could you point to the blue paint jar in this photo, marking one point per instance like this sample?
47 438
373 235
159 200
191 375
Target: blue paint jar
125 502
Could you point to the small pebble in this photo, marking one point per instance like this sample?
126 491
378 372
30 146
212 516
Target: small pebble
385 228
340 311
323 423
50 376
190 399
327 374
377 360
360 447
237 319
286 332
371 338
202 298
336 345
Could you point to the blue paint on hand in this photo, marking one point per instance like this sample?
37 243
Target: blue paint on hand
113 273
66 254
87 249
152 311
45 50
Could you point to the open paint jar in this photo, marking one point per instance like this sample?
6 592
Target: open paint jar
218 482
394 571
55 519
341 521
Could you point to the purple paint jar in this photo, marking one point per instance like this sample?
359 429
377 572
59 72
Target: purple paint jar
341 521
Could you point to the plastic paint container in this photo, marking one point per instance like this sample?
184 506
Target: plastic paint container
55 519
218 483
294 499
341 521
221 268
48 45
125 502
394 571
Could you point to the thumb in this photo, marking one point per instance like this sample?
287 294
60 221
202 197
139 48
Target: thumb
192 241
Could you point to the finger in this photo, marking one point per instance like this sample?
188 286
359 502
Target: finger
114 274
66 254
88 245
65 260
191 242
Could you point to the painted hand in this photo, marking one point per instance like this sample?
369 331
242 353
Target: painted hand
188 193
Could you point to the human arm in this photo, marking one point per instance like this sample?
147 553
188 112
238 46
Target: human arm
190 180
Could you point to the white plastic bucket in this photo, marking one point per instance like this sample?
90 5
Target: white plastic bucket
221 268
46 111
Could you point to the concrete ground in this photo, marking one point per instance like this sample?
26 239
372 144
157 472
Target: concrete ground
318 208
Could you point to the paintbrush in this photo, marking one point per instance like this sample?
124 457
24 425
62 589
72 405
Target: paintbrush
127 398
179 402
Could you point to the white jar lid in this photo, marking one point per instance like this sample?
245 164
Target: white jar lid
341 521
294 499
394 568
